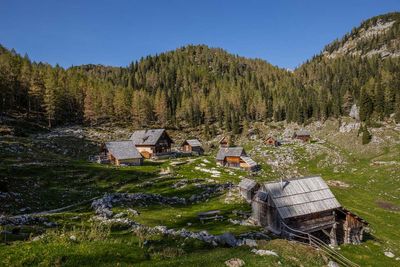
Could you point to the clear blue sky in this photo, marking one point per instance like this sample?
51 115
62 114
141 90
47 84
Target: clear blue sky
73 32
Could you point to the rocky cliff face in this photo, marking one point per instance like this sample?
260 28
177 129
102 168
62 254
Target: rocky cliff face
376 36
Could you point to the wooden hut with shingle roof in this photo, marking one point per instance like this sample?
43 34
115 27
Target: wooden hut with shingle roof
192 146
305 204
235 157
123 153
302 135
152 142
248 188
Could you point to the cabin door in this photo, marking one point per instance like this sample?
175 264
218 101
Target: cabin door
273 218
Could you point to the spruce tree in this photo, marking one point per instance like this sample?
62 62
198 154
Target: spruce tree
366 106
366 136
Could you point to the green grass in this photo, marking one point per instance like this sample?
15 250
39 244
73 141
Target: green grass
58 179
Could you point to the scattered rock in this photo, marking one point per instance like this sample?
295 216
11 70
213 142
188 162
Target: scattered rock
389 254
333 264
133 212
354 112
263 252
102 206
349 127
234 262
227 239
336 183
250 242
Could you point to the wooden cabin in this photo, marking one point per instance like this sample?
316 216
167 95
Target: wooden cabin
192 146
152 142
271 140
230 156
350 227
224 142
123 153
302 135
235 157
248 164
248 188
304 204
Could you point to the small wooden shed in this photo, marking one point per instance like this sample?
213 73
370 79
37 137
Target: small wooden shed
192 146
273 141
230 156
224 141
248 188
302 135
235 157
248 164
123 153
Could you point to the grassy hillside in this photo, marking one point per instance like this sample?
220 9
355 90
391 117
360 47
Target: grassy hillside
45 171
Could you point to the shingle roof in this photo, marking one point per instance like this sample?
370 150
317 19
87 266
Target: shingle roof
249 161
247 184
193 142
146 137
230 152
261 195
123 150
301 196
302 132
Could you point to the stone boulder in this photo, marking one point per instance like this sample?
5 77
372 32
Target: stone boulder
235 262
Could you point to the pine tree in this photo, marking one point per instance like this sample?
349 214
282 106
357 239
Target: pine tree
397 109
49 99
246 127
207 132
160 107
379 103
235 123
366 136
348 101
89 113
366 106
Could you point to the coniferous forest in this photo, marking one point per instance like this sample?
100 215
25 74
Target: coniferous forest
199 85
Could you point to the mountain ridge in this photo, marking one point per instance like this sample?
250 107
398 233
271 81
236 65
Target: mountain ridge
200 85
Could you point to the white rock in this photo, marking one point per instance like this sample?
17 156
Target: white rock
263 252
250 242
234 262
389 254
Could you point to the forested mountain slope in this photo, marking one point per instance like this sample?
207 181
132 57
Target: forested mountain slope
199 85
363 68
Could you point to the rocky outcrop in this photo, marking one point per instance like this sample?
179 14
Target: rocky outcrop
103 206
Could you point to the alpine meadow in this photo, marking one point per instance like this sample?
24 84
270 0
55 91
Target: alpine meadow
200 157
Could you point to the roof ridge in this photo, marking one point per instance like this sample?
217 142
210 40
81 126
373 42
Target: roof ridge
312 201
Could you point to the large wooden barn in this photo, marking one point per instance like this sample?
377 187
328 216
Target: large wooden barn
235 157
152 142
306 205
192 146
122 153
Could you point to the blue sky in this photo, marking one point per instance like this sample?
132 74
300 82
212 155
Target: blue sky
73 32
